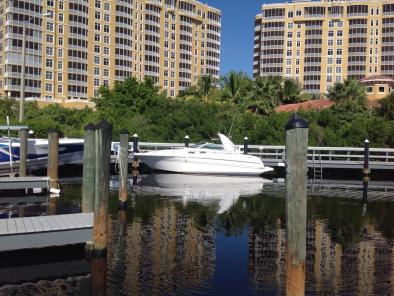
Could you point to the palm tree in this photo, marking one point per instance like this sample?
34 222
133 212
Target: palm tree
206 84
265 93
386 107
351 94
234 86
291 91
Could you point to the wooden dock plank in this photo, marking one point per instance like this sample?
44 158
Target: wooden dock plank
88 219
61 222
11 226
28 224
70 220
3 227
44 223
80 220
45 231
36 224
20 226
52 223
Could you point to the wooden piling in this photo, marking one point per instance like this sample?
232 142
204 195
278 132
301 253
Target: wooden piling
103 150
23 135
187 141
53 156
366 172
89 164
246 143
135 143
123 168
296 194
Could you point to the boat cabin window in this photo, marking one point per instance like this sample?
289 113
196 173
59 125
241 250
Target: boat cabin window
206 145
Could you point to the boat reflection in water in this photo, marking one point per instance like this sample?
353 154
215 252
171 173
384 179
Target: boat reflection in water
204 189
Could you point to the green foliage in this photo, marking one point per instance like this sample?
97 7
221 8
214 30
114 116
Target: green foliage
386 107
351 95
235 86
142 108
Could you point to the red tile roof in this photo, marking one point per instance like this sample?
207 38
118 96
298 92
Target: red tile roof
376 79
309 105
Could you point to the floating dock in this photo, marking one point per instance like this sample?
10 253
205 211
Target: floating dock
14 183
45 231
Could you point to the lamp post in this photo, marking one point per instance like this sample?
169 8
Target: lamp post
22 93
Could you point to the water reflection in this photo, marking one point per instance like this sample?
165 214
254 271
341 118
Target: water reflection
202 189
177 237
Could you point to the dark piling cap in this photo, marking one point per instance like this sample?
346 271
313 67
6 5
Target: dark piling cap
296 121
124 132
90 127
104 125
53 130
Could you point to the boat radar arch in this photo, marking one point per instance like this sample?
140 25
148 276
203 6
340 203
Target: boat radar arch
227 144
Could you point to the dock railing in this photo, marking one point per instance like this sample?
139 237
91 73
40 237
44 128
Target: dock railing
326 157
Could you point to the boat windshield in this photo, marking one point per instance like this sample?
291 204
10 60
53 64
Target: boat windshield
206 145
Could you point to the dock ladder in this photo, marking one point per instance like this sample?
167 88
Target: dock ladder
317 166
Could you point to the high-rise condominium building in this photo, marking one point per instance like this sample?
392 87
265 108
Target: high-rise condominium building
75 46
322 42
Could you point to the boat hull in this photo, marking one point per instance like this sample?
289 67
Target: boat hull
203 165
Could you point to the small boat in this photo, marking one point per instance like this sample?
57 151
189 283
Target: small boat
70 152
205 158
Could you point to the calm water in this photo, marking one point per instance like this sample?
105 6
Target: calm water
184 235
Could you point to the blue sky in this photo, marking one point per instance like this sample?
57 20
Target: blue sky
237 32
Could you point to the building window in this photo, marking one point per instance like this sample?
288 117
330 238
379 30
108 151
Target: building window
48 87
49 50
60 77
97 60
59 89
48 75
369 89
96 82
49 38
49 63
381 89
96 71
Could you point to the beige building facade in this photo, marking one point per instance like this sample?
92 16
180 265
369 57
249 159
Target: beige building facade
75 46
323 42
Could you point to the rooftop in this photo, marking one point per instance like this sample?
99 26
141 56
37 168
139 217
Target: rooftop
309 105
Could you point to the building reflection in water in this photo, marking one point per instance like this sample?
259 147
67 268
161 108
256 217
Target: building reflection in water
364 268
167 254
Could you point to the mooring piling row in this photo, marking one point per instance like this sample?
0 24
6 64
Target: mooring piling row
89 166
296 193
101 190
23 134
123 168
246 143
366 172
53 156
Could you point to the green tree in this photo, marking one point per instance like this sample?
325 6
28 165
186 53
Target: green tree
351 94
386 107
291 91
235 86
265 94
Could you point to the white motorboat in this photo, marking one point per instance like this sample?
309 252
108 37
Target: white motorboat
70 152
224 191
205 158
